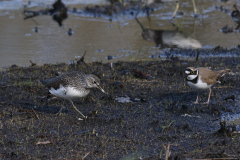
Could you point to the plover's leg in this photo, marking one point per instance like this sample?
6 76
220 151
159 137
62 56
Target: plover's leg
77 110
194 8
208 97
196 102
177 6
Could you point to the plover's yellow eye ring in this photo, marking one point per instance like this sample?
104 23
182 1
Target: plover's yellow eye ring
192 72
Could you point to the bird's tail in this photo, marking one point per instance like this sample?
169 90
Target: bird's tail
223 72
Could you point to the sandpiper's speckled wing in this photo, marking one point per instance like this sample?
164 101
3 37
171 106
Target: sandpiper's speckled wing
74 79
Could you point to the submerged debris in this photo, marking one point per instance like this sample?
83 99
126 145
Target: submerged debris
227 29
231 97
226 129
70 32
139 74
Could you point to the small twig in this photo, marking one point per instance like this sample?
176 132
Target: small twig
188 115
163 69
85 132
235 6
167 152
167 149
223 87
237 36
85 155
30 17
234 152
111 64
35 113
46 68
197 55
82 59
33 64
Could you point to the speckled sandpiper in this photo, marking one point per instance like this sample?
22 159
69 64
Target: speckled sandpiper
203 78
72 85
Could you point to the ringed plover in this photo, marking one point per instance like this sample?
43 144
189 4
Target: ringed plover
203 78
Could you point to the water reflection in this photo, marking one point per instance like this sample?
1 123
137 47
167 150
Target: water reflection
169 38
119 38
58 12
61 16
236 16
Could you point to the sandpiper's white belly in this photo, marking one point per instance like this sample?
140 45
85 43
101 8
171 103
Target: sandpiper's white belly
199 85
68 92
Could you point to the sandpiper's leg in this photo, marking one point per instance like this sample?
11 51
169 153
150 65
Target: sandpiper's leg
208 96
176 9
77 109
58 113
196 102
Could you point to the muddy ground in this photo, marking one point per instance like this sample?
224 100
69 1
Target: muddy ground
160 112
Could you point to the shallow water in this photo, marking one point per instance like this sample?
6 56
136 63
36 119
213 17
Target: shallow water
235 121
232 118
122 38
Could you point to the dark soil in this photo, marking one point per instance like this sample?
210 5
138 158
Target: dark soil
159 114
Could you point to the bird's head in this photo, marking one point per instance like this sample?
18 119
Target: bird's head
191 73
94 82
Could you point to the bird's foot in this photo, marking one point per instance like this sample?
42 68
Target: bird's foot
81 119
206 102
171 19
196 102
59 112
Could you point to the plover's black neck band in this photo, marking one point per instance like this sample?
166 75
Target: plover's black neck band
193 80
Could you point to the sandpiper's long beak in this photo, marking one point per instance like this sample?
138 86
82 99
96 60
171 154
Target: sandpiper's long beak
102 90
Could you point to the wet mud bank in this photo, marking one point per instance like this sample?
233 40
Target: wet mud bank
151 108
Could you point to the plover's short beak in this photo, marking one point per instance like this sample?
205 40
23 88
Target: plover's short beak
186 74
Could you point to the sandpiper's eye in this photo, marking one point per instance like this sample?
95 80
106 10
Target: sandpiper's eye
95 83
192 72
